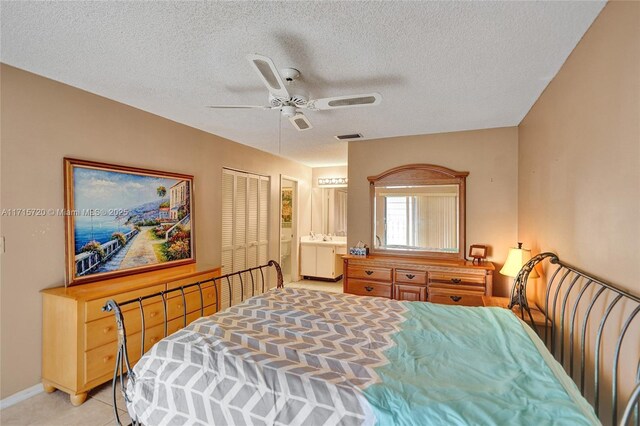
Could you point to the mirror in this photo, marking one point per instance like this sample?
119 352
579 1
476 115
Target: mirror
418 210
417 217
329 211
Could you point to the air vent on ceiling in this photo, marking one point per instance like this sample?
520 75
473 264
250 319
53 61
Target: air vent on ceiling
349 137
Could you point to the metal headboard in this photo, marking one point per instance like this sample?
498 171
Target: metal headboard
571 299
123 365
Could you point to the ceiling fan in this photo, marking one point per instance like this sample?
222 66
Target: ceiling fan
291 104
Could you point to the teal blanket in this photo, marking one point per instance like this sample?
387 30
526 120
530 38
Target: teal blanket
479 366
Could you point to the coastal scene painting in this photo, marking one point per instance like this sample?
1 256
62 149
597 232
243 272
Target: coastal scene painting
122 220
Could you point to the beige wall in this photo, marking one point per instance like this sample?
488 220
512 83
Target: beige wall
490 157
43 121
579 154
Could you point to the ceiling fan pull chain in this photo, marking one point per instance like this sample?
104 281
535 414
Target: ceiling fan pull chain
279 134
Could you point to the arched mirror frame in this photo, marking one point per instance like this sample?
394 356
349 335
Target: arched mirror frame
415 175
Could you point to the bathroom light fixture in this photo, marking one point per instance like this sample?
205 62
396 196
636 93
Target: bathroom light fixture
332 181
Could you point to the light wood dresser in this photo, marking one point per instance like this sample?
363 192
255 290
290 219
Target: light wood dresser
452 282
79 341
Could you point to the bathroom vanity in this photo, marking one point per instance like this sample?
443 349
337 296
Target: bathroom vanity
321 257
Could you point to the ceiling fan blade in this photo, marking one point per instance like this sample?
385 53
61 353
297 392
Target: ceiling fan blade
369 99
238 107
300 122
268 72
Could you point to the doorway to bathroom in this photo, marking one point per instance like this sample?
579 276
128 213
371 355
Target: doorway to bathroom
289 228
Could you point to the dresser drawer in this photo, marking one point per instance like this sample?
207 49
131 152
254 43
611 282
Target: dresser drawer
175 304
456 288
100 362
456 278
103 330
452 298
369 273
369 288
93 308
412 293
411 277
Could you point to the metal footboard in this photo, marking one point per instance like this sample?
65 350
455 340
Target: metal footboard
228 281
593 328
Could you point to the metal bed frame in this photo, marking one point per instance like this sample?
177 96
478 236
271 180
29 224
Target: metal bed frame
571 297
122 364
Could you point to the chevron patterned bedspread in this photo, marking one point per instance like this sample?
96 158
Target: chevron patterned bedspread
304 357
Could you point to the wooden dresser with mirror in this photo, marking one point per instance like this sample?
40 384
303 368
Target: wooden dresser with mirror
418 240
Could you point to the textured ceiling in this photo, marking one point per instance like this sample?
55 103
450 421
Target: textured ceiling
440 66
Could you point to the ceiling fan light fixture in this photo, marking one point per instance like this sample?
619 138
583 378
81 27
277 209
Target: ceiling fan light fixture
288 111
300 122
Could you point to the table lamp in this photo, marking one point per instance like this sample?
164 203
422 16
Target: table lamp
515 260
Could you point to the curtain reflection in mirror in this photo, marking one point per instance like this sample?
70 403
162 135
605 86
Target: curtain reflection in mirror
422 218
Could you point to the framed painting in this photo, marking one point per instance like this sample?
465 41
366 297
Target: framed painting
287 206
123 220
478 252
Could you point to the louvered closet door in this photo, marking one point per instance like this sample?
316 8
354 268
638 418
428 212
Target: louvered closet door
245 219
263 227
252 231
228 197
240 233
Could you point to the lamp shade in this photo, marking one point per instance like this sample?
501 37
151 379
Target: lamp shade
516 258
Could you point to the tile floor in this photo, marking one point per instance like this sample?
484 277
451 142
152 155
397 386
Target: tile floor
54 409
318 285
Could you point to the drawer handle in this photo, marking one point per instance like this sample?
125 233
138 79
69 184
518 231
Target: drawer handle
153 314
368 272
368 288
456 298
154 339
411 276
456 280
107 358
107 329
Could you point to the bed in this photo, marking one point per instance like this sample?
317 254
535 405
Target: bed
304 357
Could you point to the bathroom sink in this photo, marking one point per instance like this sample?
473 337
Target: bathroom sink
336 241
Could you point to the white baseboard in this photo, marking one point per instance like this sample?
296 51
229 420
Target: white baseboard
21 396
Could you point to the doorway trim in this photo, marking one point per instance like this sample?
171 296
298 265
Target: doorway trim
295 239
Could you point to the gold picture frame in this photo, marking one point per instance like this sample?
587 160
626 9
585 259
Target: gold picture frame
122 220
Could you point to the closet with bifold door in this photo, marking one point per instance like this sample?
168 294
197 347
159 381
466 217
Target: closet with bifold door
245 230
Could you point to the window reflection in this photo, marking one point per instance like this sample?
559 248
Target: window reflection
417 218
